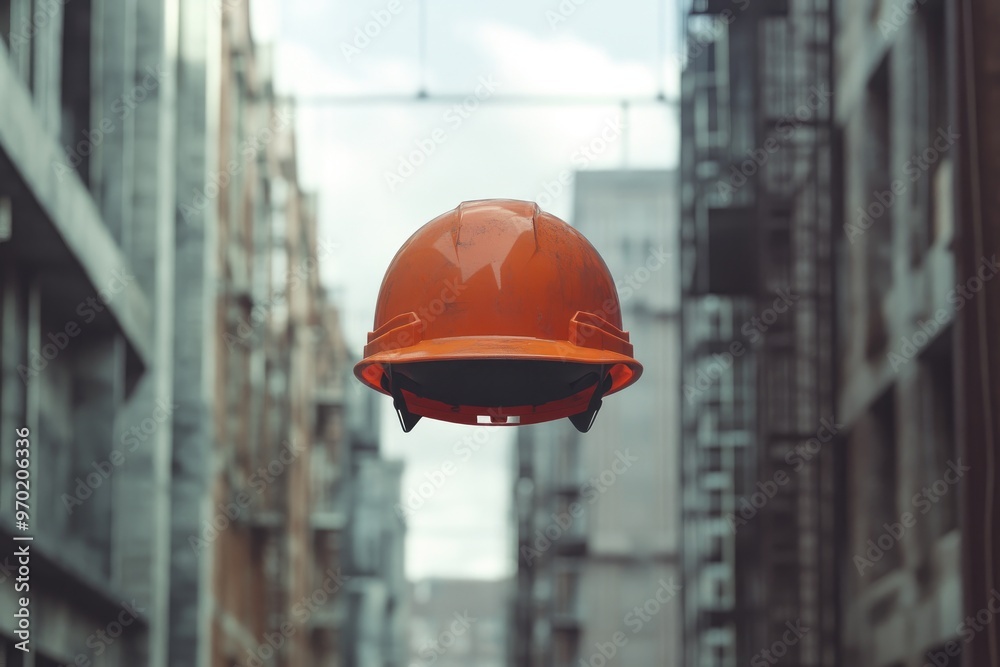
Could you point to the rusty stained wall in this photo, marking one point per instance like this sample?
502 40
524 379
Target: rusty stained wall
266 308
270 568
239 595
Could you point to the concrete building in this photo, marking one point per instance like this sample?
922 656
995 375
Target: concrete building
456 622
167 344
717 413
376 613
87 199
259 358
599 513
831 149
896 268
547 462
759 180
756 256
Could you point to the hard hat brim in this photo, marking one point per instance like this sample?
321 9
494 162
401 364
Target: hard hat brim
625 369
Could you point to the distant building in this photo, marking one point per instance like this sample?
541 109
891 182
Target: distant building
598 514
458 622
757 311
376 610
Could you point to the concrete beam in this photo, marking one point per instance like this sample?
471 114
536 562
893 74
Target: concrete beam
68 205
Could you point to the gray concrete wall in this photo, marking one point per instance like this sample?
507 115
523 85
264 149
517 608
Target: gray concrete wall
103 545
142 535
633 527
192 459
578 582
909 602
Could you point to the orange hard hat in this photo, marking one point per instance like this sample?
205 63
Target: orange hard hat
497 313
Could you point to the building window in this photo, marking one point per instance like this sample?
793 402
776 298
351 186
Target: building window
930 118
877 189
881 478
948 654
716 549
566 590
715 501
938 413
5 22
11 656
564 647
17 35
75 93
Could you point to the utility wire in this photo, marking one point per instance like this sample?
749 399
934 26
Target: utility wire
512 99
422 46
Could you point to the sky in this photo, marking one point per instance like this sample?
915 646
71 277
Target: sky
381 171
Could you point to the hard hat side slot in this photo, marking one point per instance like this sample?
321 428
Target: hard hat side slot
584 420
407 420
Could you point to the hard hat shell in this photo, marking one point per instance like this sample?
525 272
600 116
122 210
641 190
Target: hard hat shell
498 311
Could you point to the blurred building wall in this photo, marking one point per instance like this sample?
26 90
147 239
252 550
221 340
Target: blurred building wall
718 280
895 269
849 418
458 622
760 515
87 200
168 344
973 64
377 605
598 513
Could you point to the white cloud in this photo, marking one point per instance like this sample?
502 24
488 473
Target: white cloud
562 64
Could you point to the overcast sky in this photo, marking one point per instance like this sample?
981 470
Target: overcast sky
509 47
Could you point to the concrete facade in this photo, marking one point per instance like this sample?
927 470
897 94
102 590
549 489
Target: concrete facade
759 513
377 605
850 427
458 622
897 268
598 514
169 347
87 322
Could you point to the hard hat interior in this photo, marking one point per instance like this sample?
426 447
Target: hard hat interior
504 391
496 383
